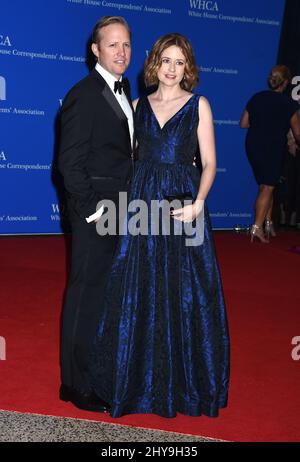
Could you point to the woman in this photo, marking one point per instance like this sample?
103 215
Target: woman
268 117
162 344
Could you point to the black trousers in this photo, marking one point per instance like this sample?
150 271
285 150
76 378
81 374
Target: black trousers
90 266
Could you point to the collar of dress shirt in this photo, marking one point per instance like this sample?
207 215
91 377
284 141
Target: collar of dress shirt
108 77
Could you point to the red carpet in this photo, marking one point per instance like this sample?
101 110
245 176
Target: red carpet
261 284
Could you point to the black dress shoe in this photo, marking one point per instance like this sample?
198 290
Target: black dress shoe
85 401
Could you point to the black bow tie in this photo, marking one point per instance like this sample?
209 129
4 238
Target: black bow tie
118 86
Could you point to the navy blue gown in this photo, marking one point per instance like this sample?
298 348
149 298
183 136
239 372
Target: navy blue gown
162 344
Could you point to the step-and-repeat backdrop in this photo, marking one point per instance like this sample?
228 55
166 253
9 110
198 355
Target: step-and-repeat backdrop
44 52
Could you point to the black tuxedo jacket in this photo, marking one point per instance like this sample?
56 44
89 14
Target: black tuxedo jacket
95 155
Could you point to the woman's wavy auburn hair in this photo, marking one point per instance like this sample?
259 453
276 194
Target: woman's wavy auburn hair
153 61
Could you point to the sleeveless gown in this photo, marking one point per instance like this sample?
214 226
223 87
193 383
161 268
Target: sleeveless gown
162 343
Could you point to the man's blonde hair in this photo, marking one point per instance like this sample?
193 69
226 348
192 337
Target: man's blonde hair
107 21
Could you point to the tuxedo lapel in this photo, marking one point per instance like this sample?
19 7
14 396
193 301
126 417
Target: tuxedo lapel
127 92
128 96
110 98
113 103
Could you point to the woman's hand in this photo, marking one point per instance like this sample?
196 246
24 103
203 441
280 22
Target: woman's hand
188 213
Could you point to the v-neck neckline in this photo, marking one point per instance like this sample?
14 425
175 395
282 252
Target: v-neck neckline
172 117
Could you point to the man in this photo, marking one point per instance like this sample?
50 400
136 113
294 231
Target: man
96 161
